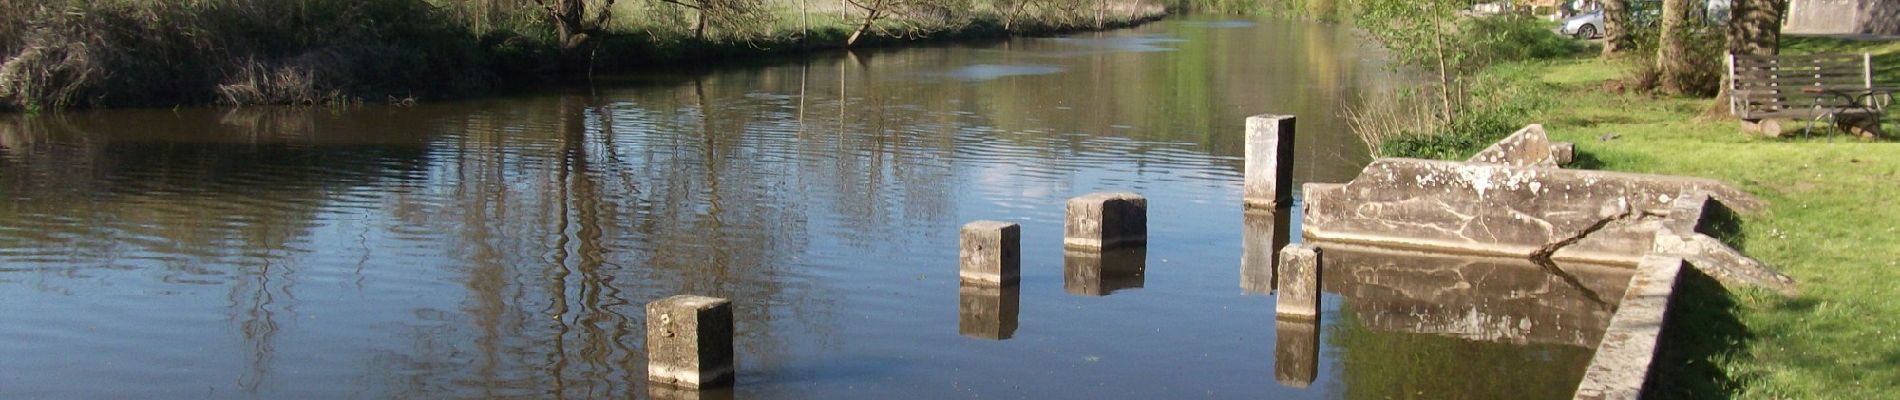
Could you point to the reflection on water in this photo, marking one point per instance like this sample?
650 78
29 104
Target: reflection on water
1263 234
988 311
504 247
1475 298
984 72
1103 272
1441 326
1295 351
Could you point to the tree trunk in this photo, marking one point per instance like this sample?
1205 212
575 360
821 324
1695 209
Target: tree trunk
1754 28
1672 55
1616 17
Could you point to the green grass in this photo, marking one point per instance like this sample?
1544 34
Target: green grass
1833 224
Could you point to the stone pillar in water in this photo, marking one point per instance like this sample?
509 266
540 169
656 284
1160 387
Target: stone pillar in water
991 253
1299 282
689 341
1295 351
1098 221
988 311
1264 232
1269 171
1100 273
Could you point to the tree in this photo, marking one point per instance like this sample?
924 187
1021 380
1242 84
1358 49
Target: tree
723 14
572 26
1423 33
1754 28
1616 26
1673 64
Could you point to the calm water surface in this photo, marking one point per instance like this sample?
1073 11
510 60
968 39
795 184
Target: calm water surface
505 247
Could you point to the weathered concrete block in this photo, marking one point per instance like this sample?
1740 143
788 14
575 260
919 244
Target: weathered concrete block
1499 209
1478 298
1296 351
1564 152
1623 359
689 341
1269 171
1100 273
988 311
1528 147
991 252
1264 232
1106 220
1299 282
1688 233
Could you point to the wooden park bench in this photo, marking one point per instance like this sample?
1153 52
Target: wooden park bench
1836 88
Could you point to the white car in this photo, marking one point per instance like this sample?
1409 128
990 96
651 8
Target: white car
1584 26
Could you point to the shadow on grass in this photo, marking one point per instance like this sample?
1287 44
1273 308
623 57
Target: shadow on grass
1584 160
1701 334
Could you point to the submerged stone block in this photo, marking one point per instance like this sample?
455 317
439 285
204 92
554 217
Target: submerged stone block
1628 350
988 311
991 252
1299 282
1100 273
689 341
1477 298
1296 351
1106 221
1263 233
1268 180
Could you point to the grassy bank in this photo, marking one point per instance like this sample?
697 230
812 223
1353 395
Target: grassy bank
57 54
1831 225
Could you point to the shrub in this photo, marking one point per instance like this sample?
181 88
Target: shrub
115 53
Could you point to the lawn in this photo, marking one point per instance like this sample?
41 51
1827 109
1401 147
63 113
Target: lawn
1833 224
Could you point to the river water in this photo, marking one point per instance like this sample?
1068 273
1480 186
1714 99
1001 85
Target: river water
505 247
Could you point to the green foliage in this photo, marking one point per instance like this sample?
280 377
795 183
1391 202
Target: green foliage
1510 37
79 53
1828 224
75 53
1503 100
1462 114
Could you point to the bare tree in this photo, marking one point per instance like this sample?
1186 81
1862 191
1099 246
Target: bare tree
722 14
573 26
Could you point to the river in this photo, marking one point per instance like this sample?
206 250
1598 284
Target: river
505 247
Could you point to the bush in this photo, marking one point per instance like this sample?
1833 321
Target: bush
1502 101
122 53
1509 38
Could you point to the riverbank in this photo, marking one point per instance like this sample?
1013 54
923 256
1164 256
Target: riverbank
1830 225
78 54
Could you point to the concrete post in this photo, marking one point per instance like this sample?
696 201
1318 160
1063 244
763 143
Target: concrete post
1295 351
991 253
1106 221
1269 170
1100 273
689 341
988 311
1299 282
1563 152
1264 232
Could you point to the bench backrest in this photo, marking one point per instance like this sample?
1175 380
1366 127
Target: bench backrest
1770 86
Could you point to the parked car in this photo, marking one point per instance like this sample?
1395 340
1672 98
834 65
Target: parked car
1584 26
1644 15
